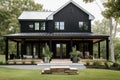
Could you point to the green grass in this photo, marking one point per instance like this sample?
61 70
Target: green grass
87 74
2 58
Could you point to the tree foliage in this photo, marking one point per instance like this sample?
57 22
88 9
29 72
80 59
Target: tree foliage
86 1
112 9
101 27
9 12
112 12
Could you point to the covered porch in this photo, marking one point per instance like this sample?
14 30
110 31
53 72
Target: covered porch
64 41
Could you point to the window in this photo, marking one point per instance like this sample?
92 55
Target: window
83 25
31 26
56 25
42 26
80 25
36 25
59 25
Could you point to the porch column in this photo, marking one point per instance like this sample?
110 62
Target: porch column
107 49
18 50
61 49
32 50
71 45
50 44
22 48
91 48
99 50
6 49
83 50
39 55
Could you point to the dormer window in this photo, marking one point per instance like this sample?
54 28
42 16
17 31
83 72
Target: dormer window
59 25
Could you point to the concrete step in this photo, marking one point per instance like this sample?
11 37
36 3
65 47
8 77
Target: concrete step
61 62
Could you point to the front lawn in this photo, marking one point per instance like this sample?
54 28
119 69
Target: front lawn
86 74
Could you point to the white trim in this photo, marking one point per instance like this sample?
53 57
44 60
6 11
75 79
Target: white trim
50 17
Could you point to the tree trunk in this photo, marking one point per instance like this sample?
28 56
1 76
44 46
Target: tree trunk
111 41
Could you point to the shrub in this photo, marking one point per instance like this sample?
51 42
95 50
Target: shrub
90 57
116 64
87 63
1 62
97 63
32 62
7 62
107 65
14 62
23 62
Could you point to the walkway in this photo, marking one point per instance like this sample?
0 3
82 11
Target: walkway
56 62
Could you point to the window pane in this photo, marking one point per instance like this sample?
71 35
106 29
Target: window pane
56 25
42 27
29 51
36 25
80 25
61 25
30 26
85 25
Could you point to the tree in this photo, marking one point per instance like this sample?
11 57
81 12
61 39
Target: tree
88 1
101 27
112 11
117 49
9 12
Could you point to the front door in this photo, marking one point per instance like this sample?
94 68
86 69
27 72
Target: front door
61 50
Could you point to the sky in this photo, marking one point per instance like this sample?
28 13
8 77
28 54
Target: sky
94 8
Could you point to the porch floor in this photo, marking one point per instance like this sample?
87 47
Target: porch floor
41 65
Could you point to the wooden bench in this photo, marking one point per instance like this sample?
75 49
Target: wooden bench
60 70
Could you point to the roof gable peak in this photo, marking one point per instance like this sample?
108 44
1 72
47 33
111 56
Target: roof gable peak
50 17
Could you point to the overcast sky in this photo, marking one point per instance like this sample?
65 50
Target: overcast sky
94 8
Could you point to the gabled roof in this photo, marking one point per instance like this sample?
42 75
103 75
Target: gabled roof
38 15
91 17
34 15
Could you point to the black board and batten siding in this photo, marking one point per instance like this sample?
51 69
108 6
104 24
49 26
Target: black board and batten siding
71 15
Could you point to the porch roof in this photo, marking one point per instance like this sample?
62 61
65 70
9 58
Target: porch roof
60 35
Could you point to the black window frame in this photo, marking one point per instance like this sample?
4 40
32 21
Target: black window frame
59 25
40 26
83 28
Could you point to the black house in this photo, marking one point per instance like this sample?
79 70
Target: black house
68 26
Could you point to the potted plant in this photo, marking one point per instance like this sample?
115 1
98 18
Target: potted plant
47 54
74 55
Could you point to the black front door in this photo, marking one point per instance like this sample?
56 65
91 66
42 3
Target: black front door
61 50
